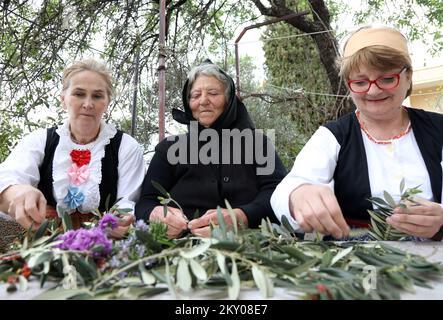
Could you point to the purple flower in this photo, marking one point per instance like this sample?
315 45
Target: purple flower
140 250
108 222
93 240
141 225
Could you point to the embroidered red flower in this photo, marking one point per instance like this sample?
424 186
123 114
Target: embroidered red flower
80 157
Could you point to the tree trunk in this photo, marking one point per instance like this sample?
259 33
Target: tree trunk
325 41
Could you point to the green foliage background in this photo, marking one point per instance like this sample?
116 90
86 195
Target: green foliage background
37 41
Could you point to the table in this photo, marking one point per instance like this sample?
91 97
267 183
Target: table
433 251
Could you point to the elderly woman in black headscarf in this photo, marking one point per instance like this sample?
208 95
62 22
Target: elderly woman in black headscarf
222 157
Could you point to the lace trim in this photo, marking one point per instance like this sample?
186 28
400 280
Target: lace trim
62 162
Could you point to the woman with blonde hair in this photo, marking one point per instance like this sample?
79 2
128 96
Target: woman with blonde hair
76 167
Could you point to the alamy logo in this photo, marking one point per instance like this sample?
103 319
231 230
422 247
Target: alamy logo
233 147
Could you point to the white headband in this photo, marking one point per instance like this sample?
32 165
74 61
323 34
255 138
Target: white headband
375 36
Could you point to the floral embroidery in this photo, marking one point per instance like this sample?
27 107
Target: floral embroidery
81 157
78 175
74 198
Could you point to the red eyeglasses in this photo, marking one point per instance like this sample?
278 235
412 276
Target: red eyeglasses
385 82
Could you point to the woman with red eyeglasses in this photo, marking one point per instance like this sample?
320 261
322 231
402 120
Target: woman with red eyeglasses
369 151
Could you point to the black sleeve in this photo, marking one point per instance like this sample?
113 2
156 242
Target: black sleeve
439 235
161 171
260 208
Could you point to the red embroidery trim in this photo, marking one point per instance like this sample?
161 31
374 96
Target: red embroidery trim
389 141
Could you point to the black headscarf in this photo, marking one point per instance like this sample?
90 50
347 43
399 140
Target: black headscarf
233 116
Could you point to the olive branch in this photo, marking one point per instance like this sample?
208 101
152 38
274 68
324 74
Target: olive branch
383 208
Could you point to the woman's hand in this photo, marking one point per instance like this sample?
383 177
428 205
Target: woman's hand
124 223
200 227
315 208
175 220
422 218
27 205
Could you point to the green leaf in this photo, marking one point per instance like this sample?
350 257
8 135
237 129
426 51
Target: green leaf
221 261
378 201
164 201
198 270
262 281
233 216
24 245
67 222
228 245
327 259
169 280
221 222
264 228
285 223
402 185
296 253
37 259
160 188
196 250
130 281
184 280
341 255
60 294
43 279
22 283
108 199
41 230
389 199
146 276
87 269
147 239
234 289
196 214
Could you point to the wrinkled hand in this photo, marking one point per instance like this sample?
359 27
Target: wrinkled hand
27 205
175 220
421 219
124 223
200 227
315 208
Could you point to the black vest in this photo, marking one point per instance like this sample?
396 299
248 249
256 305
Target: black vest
108 185
351 178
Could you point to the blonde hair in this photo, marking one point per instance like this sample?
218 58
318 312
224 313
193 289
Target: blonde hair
88 65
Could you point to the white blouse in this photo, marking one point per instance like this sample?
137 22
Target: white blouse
388 164
22 166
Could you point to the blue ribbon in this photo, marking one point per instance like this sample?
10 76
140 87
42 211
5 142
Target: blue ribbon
74 198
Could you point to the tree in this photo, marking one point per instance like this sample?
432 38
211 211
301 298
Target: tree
318 25
38 40
417 17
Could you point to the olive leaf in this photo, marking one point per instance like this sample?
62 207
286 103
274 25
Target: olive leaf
234 289
184 280
198 270
159 187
